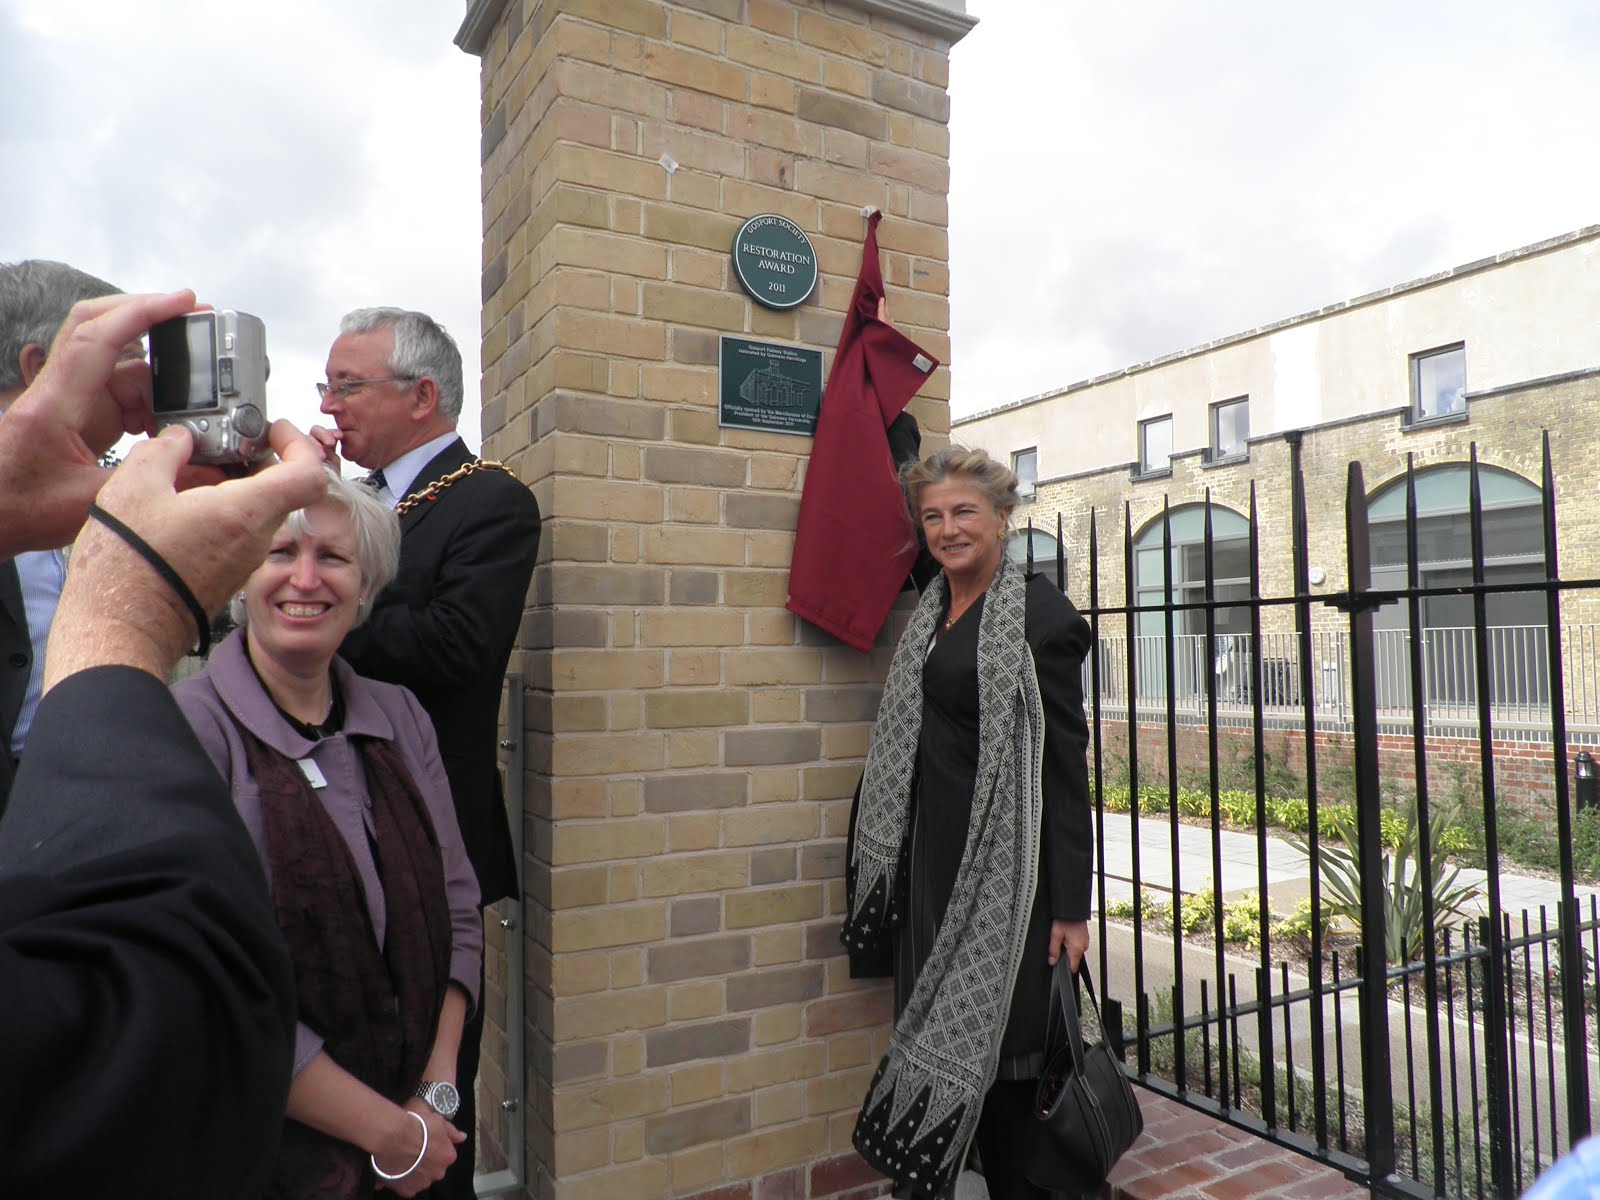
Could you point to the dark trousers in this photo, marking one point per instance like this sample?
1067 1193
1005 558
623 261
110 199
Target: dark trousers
457 1181
1002 1133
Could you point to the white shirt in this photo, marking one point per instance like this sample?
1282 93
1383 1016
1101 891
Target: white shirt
399 475
41 574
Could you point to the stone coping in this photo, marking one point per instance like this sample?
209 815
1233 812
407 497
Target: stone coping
948 18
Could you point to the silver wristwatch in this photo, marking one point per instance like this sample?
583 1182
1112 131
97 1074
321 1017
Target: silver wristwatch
441 1097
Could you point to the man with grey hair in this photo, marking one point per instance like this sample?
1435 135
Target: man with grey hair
35 298
446 626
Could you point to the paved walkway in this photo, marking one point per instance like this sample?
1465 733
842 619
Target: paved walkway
1288 871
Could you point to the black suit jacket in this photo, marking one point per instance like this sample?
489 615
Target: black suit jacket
147 1009
445 629
16 660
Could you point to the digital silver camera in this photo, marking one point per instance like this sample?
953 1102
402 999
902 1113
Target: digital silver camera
209 372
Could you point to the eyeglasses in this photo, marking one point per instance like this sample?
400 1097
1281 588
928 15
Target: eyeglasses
342 389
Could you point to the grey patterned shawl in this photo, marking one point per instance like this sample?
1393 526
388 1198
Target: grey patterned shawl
923 1105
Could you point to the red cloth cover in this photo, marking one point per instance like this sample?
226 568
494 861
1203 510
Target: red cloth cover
855 540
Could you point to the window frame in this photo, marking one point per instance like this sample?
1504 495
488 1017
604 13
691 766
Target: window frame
1142 469
1243 453
1414 414
1027 490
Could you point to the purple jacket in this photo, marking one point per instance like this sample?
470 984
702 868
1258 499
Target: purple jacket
228 694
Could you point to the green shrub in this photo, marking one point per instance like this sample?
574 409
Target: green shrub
1404 929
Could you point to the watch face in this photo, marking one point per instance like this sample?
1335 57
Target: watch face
444 1099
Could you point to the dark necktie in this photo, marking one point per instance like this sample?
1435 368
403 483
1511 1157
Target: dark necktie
376 481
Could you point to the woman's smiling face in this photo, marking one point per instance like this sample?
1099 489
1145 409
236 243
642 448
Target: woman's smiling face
964 530
306 595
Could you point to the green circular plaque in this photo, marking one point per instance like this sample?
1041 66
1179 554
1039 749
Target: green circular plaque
774 260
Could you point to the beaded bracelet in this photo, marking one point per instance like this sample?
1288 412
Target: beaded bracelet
382 1174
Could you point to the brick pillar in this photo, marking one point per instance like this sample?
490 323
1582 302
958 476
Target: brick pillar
692 747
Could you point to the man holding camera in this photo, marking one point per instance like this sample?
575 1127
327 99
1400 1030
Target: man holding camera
149 1009
446 627
35 297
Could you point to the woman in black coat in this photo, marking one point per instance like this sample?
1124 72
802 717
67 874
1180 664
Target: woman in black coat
970 858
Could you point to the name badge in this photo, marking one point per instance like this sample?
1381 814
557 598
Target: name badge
312 772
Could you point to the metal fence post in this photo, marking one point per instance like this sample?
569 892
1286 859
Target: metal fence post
1376 1082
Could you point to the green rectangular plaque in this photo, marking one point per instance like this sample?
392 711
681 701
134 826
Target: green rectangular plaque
769 386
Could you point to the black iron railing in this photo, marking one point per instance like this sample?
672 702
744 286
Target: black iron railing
1455 1057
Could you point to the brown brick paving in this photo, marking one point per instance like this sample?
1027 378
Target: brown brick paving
1186 1155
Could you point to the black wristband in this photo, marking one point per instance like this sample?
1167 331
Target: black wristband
164 569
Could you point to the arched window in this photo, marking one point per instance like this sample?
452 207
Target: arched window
1230 559
1045 549
1230 568
1513 552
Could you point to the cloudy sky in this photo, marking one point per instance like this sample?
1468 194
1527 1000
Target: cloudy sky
1129 179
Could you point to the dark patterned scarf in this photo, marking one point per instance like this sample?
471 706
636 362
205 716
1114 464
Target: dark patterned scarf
922 1108
377 1012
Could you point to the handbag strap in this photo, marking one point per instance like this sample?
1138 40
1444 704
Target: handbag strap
1062 1019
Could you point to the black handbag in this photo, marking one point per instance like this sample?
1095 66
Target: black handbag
1085 1113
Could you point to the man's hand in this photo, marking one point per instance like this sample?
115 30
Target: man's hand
84 399
328 440
1071 936
115 608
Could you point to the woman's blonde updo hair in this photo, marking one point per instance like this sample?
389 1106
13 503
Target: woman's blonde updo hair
993 479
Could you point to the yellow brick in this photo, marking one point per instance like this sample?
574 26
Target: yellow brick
772 16
604 251
775 56
603 500
578 887
768 549
780 1105
775 946
768 91
693 831
683 874
627 712
692 628
799 665
780 786
850 1050
576 974
627 971
607 840
587 929
851 41
696 31
693 1002
588 1106
582 1151
627 1054
769 825
690 668
694 546
696 1169
693 748
622 885
578 798
627 1142
838 1091
772 629
695 1084
778 705
751 1072
777 1025
635 16
581 1017
695 708
641 1178
684 68
608 754
695 506
769 1150
772 906
625 458
851 78
677 384
604 670
605 334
